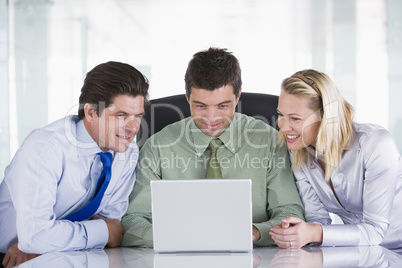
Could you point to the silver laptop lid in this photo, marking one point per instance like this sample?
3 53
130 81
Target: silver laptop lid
206 215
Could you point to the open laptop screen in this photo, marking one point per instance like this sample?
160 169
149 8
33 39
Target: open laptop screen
205 215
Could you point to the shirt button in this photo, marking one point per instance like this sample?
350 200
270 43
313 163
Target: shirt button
233 149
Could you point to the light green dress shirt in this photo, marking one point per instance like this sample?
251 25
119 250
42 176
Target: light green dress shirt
180 151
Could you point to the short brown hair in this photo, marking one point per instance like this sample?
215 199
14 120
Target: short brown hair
211 69
108 80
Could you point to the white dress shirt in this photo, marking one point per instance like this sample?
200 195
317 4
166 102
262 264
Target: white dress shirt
53 174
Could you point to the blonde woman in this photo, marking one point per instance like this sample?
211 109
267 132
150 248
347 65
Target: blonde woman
350 169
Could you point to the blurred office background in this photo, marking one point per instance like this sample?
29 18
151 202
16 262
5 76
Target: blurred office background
47 46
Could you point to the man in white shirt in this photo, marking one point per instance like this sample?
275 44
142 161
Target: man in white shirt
50 185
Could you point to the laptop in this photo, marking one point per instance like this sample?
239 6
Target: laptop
204 215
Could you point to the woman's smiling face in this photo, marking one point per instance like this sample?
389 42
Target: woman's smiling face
297 121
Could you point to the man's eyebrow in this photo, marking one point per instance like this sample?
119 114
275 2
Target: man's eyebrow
125 113
223 102
198 102
120 112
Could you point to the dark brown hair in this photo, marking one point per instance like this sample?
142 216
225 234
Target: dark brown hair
211 69
108 80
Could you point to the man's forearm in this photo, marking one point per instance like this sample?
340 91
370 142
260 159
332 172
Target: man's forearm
137 230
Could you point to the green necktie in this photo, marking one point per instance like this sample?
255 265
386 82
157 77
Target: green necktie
213 167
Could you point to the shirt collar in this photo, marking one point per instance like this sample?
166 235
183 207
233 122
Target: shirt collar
86 145
228 137
354 144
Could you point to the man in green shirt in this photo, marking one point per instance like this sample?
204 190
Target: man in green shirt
250 149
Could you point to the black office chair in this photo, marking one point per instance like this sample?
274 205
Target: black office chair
164 111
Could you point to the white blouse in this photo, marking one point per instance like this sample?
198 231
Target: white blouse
368 184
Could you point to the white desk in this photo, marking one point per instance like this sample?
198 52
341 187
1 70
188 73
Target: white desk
374 256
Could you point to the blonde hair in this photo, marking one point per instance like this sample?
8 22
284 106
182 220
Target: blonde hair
335 130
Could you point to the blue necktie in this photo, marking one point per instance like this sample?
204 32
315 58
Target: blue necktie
104 179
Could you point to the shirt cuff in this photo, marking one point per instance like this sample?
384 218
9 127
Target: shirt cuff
340 235
265 239
97 233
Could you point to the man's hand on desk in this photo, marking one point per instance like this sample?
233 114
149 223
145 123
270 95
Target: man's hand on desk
256 234
14 256
115 231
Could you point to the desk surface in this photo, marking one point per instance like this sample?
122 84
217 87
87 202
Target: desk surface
374 256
